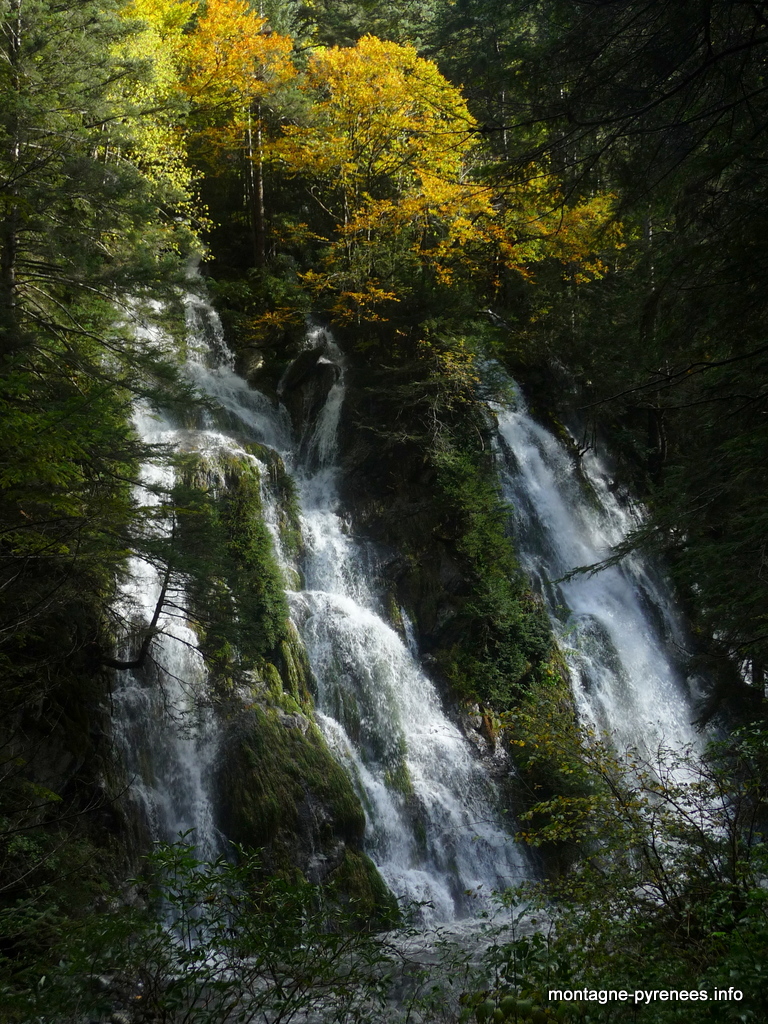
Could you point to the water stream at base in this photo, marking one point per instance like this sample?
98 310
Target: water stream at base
620 629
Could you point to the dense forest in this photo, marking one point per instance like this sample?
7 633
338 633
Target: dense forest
572 193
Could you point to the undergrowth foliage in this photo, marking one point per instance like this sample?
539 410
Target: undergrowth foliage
669 888
667 894
200 943
205 945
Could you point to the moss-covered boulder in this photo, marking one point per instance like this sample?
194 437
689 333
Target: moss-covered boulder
281 790
233 581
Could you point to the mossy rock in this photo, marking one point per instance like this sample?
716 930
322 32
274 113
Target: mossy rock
398 779
357 882
284 490
294 667
235 584
433 497
281 789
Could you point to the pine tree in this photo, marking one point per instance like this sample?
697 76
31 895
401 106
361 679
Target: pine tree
83 224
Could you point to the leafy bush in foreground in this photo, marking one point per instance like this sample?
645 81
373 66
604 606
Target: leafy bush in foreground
668 893
221 949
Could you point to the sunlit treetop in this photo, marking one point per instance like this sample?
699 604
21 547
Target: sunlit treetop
232 55
169 18
384 119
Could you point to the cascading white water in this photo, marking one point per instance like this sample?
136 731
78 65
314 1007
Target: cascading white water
433 830
619 628
161 709
432 825
167 733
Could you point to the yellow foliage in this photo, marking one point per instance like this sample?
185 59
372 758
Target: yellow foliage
233 59
167 19
233 62
157 143
387 145
272 321
456 368
385 122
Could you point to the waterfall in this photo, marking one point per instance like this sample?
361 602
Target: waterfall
163 725
619 628
163 721
433 828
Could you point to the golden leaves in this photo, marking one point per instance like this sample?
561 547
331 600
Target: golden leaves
232 57
218 59
386 144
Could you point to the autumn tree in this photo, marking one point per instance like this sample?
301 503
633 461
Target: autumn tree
155 42
389 153
234 64
382 153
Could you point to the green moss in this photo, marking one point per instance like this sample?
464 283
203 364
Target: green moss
270 777
500 632
420 834
394 614
294 666
281 790
430 490
284 490
399 779
234 580
273 681
280 787
358 881
346 710
289 520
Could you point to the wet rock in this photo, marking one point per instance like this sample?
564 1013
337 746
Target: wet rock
306 384
300 722
249 363
472 724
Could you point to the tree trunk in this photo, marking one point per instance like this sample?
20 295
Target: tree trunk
255 189
149 636
9 231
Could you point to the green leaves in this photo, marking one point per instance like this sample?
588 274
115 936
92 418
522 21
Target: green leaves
667 891
81 226
234 945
